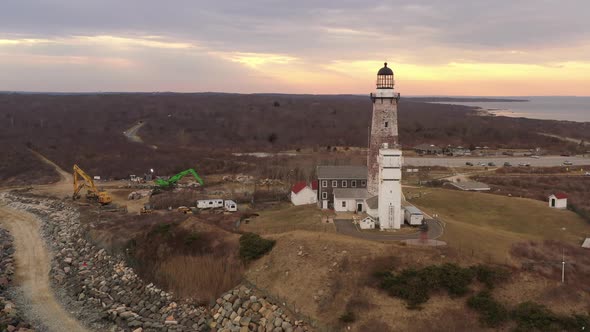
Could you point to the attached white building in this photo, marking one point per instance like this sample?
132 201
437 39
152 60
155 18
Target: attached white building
390 188
303 193
558 201
350 199
413 216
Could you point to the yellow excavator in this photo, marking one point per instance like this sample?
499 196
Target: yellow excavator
81 180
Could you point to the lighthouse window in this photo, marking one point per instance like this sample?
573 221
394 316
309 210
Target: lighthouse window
386 123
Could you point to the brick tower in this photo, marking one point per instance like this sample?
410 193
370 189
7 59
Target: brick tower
383 125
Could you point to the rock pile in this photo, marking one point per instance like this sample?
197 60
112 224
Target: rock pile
240 310
101 288
106 294
10 319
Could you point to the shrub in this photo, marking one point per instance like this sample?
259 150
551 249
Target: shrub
455 279
491 312
415 285
530 316
490 276
348 317
252 246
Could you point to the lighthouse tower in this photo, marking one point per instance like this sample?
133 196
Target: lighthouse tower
383 125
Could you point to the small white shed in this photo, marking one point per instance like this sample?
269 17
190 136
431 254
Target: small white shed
558 201
367 223
413 216
302 193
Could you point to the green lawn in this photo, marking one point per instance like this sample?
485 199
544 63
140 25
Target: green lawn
487 225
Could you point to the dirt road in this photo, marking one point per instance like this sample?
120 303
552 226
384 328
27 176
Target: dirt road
32 271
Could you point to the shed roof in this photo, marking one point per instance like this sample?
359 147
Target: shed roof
314 185
297 187
342 172
560 195
351 193
412 209
586 243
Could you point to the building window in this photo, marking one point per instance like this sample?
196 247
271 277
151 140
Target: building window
324 184
353 183
386 123
344 184
324 195
363 183
343 204
334 183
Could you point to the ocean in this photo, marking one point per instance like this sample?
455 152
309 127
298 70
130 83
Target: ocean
550 108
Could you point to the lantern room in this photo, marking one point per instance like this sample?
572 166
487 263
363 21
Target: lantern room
385 78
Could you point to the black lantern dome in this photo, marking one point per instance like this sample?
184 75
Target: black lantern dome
385 78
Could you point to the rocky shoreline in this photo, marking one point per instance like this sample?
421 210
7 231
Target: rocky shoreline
105 294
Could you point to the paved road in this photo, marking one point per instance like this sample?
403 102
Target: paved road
131 133
547 161
345 226
32 272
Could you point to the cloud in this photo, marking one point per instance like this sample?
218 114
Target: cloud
320 46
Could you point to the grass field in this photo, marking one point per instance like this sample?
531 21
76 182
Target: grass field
488 225
286 217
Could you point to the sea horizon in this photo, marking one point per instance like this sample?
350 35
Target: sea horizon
561 108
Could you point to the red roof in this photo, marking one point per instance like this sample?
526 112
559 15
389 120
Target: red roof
314 185
298 186
560 195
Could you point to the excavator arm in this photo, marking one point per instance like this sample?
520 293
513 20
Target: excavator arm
81 180
175 178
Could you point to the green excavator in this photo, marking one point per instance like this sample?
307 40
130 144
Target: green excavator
173 180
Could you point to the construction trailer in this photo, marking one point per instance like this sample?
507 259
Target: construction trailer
209 203
413 216
230 206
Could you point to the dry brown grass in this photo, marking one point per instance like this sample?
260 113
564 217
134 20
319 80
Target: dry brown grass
486 225
202 278
285 218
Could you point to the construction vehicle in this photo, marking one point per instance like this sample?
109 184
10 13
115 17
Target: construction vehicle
173 180
184 209
83 180
146 209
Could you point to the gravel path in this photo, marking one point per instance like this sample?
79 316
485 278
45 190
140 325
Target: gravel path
32 272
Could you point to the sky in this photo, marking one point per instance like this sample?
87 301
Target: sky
435 47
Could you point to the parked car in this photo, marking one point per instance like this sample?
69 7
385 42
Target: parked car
567 163
524 165
535 156
587 174
469 163
483 164
507 164
491 163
